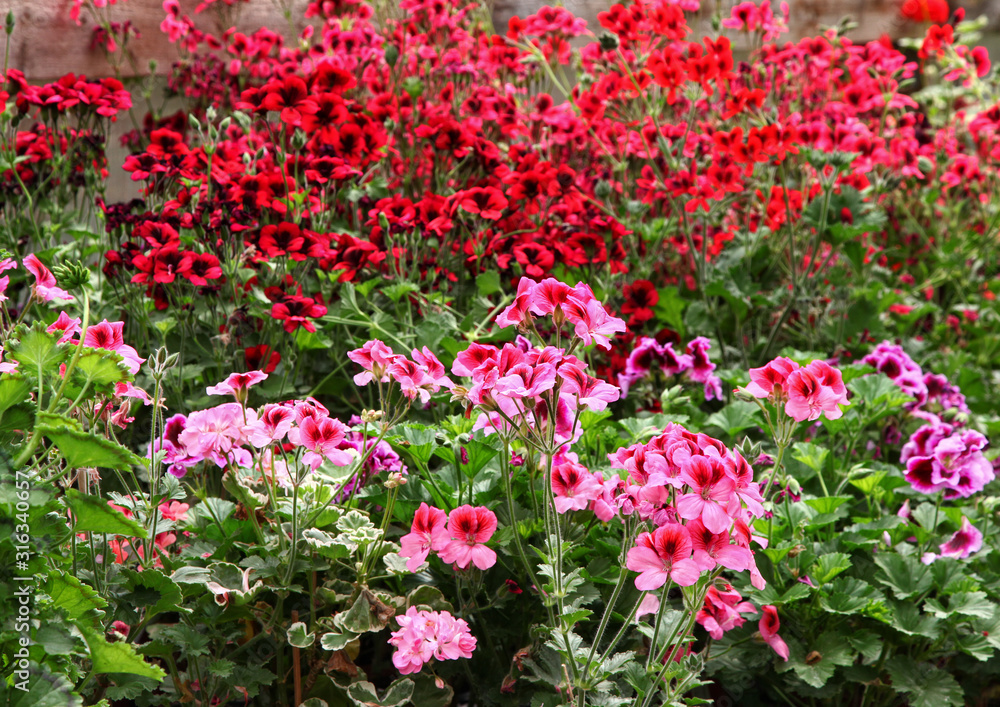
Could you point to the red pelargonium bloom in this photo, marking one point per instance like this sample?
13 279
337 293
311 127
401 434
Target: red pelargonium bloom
261 357
296 310
664 554
925 10
488 202
640 298
769 626
468 529
426 534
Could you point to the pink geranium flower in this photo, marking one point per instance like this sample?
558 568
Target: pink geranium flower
592 323
45 287
963 543
237 384
809 396
666 553
321 436
174 510
468 529
711 493
769 626
375 358
272 424
108 335
66 327
769 381
424 635
574 487
713 549
427 533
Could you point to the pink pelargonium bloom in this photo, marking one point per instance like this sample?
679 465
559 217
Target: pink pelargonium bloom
66 327
427 533
666 553
237 384
769 381
722 609
45 287
174 510
414 381
769 626
713 549
272 424
468 529
321 436
426 359
809 396
214 434
712 491
574 487
592 324
429 634
108 335
516 313
964 542
590 392
375 358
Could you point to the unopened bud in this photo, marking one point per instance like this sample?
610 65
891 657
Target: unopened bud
9 24
299 139
391 55
395 479
609 42
72 275
371 416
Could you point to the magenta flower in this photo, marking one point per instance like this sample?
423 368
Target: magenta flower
375 358
272 423
701 367
809 395
108 335
769 626
424 635
427 533
666 553
45 287
590 392
237 384
711 493
722 609
574 487
468 529
65 326
516 313
214 434
322 437
964 542
713 549
769 381
592 323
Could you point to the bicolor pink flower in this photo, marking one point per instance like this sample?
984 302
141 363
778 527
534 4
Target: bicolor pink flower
469 528
426 359
574 487
964 542
722 609
516 313
769 626
590 392
271 425
322 437
770 381
809 396
427 533
375 358
414 381
664 554
108 335
237 384
66 327
45 287
710 496
472 358
713 549
592 324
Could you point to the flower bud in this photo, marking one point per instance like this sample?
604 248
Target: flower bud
609 42
391 55
371 416
9 24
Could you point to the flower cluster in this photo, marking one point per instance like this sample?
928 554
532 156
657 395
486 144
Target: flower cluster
459 538
942 457
805 392
417 379
424 635
932 394
701 498
649 355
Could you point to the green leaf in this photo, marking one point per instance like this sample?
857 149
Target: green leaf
878 389
829 566
84 449
479 454
670 308
925 685
421 442
812 455
868 484
36 348
335 641
95 515
299 637
119 657
78 600
14 388
819 660
55 640
399 290
103 368
428 598
827 504
974 604
364 694
906 617
739 415
849 596
867 643
42 689
427 694
905 576
153 590
488 283
367 613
